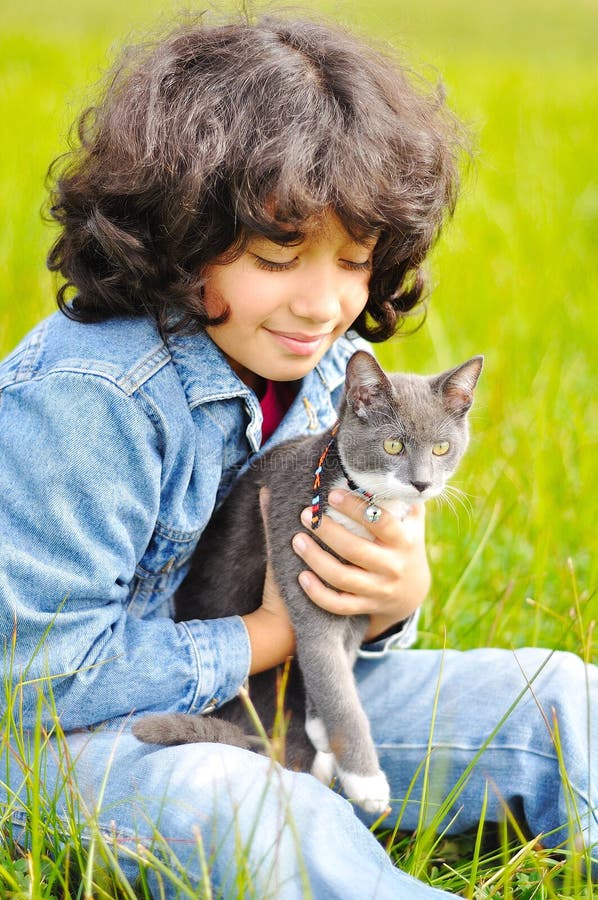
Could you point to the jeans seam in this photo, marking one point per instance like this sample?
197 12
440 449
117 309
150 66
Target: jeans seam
445 745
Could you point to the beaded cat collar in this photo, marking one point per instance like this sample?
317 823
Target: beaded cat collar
372 512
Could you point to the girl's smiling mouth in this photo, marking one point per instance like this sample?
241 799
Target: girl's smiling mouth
299 343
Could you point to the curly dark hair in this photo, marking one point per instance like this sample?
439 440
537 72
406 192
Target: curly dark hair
217 132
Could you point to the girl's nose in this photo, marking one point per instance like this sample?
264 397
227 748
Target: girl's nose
318 297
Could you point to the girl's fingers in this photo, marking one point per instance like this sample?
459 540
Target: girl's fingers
350 547
337 602
340 575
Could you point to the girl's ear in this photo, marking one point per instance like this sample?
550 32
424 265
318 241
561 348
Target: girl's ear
457 385
366 385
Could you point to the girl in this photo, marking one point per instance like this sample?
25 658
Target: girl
243 203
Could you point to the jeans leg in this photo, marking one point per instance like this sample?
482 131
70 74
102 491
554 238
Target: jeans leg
520 765
296 837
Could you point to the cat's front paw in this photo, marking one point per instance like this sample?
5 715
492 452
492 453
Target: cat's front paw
323 767
371 792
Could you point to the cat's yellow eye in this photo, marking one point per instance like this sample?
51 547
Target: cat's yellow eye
441 448
393 446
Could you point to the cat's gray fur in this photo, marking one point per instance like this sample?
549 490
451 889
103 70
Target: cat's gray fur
227 573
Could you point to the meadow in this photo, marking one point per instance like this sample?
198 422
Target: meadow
513 277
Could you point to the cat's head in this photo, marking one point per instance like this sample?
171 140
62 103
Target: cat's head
402 436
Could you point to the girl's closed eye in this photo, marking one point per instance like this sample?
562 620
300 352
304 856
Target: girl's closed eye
358 266
271 265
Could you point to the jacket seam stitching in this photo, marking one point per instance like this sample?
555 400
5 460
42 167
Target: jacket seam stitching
31 354
124 383
195 702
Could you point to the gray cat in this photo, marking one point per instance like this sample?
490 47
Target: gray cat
398 440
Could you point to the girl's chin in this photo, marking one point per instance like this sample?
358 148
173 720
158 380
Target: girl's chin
274 370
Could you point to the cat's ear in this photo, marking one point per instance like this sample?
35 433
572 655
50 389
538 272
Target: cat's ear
366 385
458 384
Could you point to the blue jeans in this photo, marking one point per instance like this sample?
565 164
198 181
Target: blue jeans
296 832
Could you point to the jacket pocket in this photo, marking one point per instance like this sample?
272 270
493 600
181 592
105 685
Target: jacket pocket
160 571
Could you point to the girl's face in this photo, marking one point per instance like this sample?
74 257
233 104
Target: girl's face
288 304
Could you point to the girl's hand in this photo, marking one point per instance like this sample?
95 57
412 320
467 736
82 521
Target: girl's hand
387 578
271 634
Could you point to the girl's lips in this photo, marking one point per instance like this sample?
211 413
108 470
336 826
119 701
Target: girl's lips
299 344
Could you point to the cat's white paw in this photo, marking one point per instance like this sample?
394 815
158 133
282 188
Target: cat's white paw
316 732
323 767
371 792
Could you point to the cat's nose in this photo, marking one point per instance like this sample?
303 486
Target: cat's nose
421 485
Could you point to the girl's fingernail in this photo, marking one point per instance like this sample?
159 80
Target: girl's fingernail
304 579
306 516
335 498
299 543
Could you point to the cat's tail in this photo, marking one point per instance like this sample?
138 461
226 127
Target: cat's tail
179 728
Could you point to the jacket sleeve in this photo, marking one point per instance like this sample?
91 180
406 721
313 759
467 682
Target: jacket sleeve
401 636
80 475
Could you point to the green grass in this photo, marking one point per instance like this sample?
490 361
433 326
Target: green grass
513 276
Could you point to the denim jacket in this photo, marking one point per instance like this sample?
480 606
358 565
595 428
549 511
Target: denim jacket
115 448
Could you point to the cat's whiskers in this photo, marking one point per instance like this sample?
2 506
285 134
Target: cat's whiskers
462 496
444 500
451 495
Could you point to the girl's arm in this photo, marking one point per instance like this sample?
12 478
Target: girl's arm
80 486
271 634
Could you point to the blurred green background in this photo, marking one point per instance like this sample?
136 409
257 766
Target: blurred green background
514 276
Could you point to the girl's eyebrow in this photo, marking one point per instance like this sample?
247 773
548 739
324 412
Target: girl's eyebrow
261 239
368 237
367 243
367 240
295 237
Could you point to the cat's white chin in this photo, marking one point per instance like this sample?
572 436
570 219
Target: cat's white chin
400 492
388 491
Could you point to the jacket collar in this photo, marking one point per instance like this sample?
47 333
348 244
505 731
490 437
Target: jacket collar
203 370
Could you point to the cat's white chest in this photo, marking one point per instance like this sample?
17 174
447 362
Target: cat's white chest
398 508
